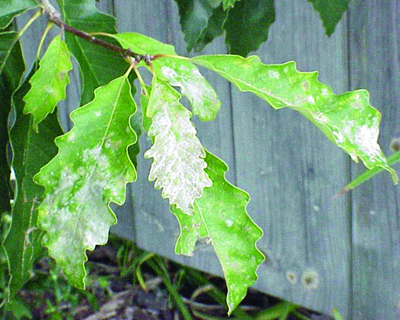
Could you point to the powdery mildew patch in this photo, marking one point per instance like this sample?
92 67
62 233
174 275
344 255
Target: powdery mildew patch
194 86
91 170
178 165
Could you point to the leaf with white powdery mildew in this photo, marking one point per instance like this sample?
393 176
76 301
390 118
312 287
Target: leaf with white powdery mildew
183 74
219 215
348 120
189 223
225 222
177 72
49 83
90 170
178 164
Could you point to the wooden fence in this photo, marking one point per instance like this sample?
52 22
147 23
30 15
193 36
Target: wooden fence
323 252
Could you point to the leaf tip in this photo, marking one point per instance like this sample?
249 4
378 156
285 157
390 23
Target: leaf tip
395 177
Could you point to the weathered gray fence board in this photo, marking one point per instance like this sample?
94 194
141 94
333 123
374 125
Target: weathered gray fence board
375 65
292 171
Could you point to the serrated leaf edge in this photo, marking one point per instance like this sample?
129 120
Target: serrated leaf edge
63 91
114 218
313 76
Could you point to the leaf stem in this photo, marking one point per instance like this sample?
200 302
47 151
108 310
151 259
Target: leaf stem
141 81
131 66
28 24
46 31
54 16
175 56
147 58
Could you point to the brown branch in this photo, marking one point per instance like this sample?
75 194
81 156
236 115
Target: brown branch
55 17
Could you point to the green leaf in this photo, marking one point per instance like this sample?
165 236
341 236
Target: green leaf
190 223
213 29
348 120
330 12
98 65
134 150
136 124
247 25
11 60
279 310
229 3
194 16
337 315
176 71
90 170
194 86
11 8
49 83
5 21
142 44
219 215
178 164
31 151
18 309
228 227
191 228
12 67
144 103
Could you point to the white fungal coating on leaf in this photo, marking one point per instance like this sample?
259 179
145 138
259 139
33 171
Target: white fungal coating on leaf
85 176
178 165
194 86
367 139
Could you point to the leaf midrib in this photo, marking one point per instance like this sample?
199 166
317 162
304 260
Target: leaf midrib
103 142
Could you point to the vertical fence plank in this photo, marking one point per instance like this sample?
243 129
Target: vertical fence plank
375 65
292 171
156 228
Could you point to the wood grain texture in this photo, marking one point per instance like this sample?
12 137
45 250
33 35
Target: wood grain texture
293 172
374 34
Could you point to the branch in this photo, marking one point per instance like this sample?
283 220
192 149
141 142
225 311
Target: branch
54 16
